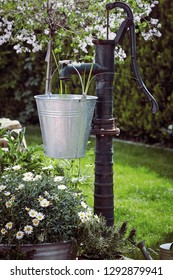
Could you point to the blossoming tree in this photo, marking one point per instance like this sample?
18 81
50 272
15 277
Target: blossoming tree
31 25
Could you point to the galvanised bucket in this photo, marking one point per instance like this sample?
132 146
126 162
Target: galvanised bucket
65 122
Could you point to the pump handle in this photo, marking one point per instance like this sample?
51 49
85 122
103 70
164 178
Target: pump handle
129 23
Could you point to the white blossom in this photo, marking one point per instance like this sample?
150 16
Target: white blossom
62 187
16 167
89 22
58 179
8 204
9 225
19 234
28 229
44 202
32 213
35 222
2 187
3 231
49 167
28 176
84 205
7 193
37 177
40 216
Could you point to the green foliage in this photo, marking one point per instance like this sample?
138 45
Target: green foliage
155 60
33 135
22 77
16 154
99 241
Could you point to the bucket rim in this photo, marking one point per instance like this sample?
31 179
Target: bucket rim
64 97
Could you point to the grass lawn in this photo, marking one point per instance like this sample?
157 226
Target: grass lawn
144 191
143 188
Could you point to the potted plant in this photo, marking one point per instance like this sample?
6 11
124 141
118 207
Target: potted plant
39 211
101 242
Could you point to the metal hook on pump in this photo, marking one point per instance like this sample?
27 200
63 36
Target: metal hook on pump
129 23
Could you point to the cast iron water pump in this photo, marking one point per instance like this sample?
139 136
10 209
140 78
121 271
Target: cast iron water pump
104 124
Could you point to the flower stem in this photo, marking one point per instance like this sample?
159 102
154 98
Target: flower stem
48 59
83 90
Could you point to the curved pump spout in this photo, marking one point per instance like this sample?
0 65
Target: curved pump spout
129 23
68 68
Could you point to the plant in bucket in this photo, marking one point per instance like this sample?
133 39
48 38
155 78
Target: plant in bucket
40 213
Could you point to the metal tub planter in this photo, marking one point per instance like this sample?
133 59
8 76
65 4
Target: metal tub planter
42 251
65 122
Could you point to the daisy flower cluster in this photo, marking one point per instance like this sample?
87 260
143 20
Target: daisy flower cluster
86 216
40 207
28 229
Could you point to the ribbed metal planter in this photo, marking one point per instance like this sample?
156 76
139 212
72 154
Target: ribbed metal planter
166 251
65 122
48 251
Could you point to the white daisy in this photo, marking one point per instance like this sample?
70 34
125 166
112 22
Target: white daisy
3 231
28 229
2 188
37 177
32 213
28 176
84 205
20 187
88 215
7 193
58 178
16 167
44 202
9 225
40 198
8 204
19 234
35 222
40 216
82 216
12 199
62 187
